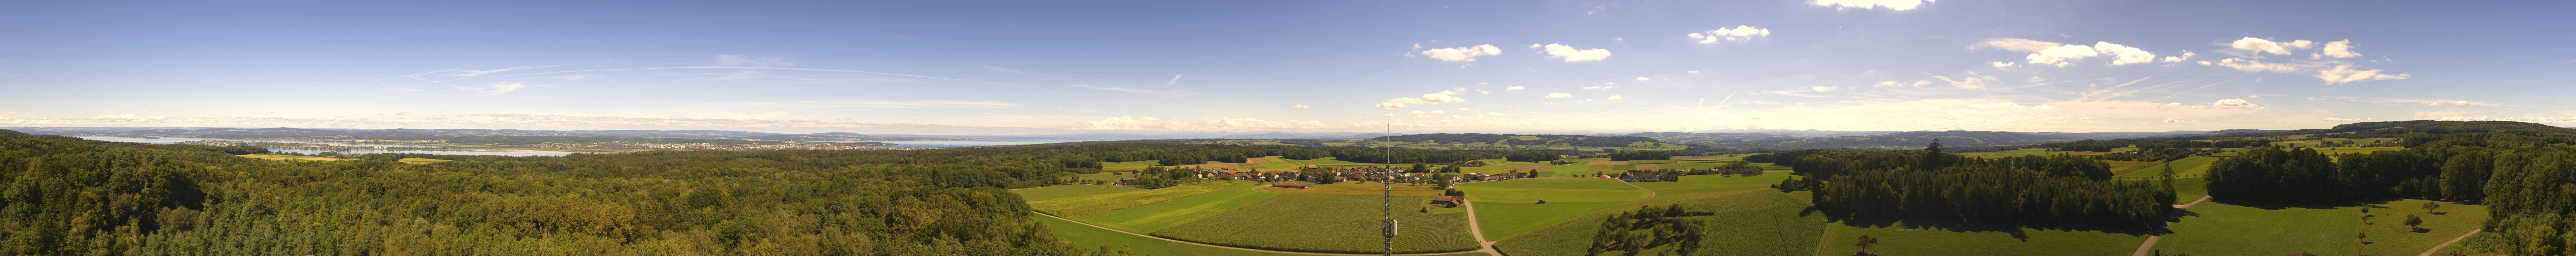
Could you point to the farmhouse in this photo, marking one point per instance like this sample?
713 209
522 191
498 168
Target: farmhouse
1448 201
1479 176
1288 185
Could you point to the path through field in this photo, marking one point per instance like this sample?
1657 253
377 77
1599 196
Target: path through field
2438 248
2143 248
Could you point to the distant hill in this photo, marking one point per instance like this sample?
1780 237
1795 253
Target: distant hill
2390 129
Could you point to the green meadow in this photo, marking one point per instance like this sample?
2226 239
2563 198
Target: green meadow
2187 167
1330 223
1063 191
1087 204
2389 234
1763 223
1509 207
1899 238
1150 217
1091 238
2226 229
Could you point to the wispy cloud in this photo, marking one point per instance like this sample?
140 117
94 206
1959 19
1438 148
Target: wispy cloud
1164 93
495 88
951 104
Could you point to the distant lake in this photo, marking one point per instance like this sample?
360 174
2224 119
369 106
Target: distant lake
169 140
961 143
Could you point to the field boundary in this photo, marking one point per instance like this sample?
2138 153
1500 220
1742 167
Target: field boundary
2438 248
1231 247
1155 202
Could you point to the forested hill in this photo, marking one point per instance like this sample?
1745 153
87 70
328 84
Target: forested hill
1907 139
2392 129
425 134
1519 139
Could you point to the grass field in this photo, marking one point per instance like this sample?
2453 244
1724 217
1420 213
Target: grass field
1763 223
1150 217
1509 207
1063 191
1358 188
1717 183
1126 166
1650 161
2125 167
2012 153
287 157
1570 237
1087 204
1903 239
1313 222
2390 236
2226 229
1090 238
416 160
2187 167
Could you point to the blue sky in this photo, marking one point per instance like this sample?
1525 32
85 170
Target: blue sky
954 67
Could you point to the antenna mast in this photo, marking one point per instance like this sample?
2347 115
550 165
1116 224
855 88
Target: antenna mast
1389 222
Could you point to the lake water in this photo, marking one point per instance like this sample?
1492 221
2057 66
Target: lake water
169 140
962 143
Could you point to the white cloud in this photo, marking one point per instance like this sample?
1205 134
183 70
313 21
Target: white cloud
730 60
2260 66
1822 88
1514 88
1693 71
496 88
2001 65
1971 82
946 104
1642 78
1560 51
2179 58
1468 53
2233 103
1739 33
1899 5
1390 105
1616 97
1436 98
1603 86
2124 55
1298 107
2346 74
2337 49
2260 45
1556 95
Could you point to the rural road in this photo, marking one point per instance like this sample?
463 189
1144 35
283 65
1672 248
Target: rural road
2150 245
2429 252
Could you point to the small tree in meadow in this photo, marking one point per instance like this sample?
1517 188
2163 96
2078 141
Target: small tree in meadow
2414 223
2429 206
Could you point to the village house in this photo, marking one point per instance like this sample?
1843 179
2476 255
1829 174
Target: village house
1448 201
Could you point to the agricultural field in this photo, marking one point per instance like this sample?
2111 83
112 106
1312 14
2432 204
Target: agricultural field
2126 167
1087 204
1900 238
1716 183
416 160
1069 190
279 157
1571 236
1315 222
2213 228
2012 153
1127 166
1156 216
1510 207
1763 223
1091 238
1358 188
2187 167
2389 234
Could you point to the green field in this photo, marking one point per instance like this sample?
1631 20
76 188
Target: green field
1150 217
2126 167
1087 204
1089 238
1650 162
1570 237
2187 167
288 157
1507 208
1315 222
1717 183
1902 239
1763 223
1063 191
2225 229
2390 236
1127 166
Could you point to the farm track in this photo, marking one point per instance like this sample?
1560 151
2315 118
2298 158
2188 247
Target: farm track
2150 244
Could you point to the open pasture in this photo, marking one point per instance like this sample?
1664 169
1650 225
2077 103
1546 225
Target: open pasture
1313 222
2390 236
1717 183
2125 167
1068 190
2213 228
1502 220
1087 204
2187 167
1091 238
1357 188
1571 236
1552 195
1763 223
1899 238
1150 217
416 160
